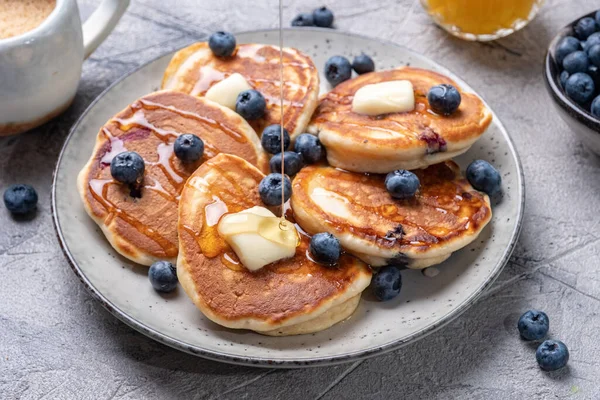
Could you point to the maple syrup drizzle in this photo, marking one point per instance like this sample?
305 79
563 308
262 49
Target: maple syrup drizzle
282 223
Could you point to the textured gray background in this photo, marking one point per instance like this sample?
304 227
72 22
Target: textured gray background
57 342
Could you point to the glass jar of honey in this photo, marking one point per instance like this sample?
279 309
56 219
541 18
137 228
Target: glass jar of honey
482 19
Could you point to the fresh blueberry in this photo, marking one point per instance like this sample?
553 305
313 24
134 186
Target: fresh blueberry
127 167
594 54
566 46
222 44
310 147
292 163
576 62
483 176
591 41
585 27
402 184
580 88
163 276
271 139
363 64
323 17
444 99
533 325
188 147
337 70
325 248
20 199
270 189
594 73
303 19
251 104
595 108
563 78
387 283
552 355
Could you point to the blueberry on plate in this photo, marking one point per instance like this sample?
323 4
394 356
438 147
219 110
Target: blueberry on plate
592 40
363 64
250 104
533 325
337 70
303 19
163 276
444 99
402 184
563 78
323 17
594 54
580 88
566 46
127 167
387 283
310 147
585 27
292 163
577 61
20 199
552 355
325 248
270 189
483 176
595 107
188 147
271 139
222 44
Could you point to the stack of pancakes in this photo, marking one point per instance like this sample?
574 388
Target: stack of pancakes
175 213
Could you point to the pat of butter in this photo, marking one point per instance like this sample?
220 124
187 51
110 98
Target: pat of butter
257 238
384 98
226 92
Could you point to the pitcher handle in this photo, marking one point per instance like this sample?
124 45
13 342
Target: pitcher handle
101 23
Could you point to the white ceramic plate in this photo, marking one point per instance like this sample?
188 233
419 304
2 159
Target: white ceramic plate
424 305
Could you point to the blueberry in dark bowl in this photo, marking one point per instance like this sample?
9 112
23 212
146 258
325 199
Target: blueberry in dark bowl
585 27
594 54
323 17
337 70
363 64
310 147
533 325
303 19
325 248
20 199
563 78
444 99
270 189
595 107
271 139
594 73
566 46
292 163
591 41
484 177
128 167
251 104
188 147
580 88
387 283
577 61
163 276
552 355
222 44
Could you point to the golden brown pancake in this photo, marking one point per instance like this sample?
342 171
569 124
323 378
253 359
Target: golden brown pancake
195 69
407 140
445 215
143 226
290 296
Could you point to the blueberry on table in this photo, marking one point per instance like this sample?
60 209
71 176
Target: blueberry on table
402 184
484 177
533 325
188 147
363 64
163 276
269 189
563 78
292 163
594 54
20 199
580 88
444 99
566 46
323 17
222 44
595 107
271 139
585 27
127 167
577 61
251 104
303 19
337 70
387 283
552 355
310 147
325 248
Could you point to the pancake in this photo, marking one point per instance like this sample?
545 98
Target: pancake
291 296
144 228
408 140
195 69
445 215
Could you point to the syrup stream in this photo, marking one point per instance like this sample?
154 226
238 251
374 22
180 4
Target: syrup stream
282 223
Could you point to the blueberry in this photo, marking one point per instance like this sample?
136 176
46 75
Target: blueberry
594 54
483 176
387 283
323 17
325 248
594 73
443 99
163 276
566 46
591 41
402 184
127 167
251 104
271 139
576 62
363 64
597 17
188 147
222 44
270 189
585 27
292 163
595 108
552 355
310 147
303 19
337 70
20 199
533 325
580 88
563 78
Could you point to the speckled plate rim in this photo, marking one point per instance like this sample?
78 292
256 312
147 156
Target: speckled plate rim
305 362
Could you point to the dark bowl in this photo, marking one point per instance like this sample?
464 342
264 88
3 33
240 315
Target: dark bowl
579 120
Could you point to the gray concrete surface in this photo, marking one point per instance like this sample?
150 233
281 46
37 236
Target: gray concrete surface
56 342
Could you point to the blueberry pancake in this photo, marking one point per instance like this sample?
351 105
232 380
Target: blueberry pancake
142 224
400 140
